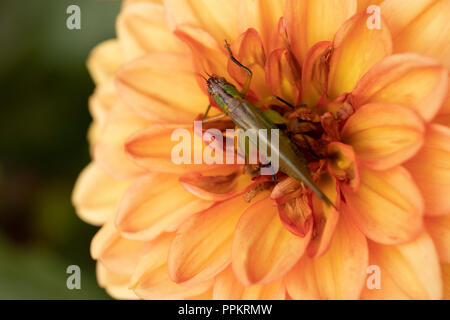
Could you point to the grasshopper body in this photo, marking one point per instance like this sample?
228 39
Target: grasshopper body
247 116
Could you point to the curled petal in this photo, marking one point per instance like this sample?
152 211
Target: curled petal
96 194
263 16
420 26
284 187
218 17
116 285
343 165
311 21
282 76
439 229
255 258
356 48
109 151
413 81
431 170
142 28
116 253
249 50
151 279
161 87
348 258
325 217
383 135
202 247
295 213
153 204
388 206
104 60
408 271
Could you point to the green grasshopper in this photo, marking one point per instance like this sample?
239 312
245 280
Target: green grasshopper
246 116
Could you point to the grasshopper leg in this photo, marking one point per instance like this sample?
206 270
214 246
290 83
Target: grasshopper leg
270 99
246 86
206 112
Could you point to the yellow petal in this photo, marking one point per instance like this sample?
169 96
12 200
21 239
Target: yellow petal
263 250
356 49
341 272
407 271
116 285
151 279
142 28
384 135
162 87
96 194
388 206
153 204
439 230
408 79
311 21
202 247
104 60
430 168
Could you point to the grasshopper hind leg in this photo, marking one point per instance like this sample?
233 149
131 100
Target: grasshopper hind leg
248 81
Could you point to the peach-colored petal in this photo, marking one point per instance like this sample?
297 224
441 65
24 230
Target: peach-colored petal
439 229
301 281
202 247
364 4
445 269
341 271
284 187
248 49
151 279
263 16
218 17
109 149
388 206
96 194
228 287
383 135
325 217
420 27
282 76
116 285
153 204
161 87
142 28
356 49
102 101
315 73
344 165
154 149
263 250
311 21
407 271
118 254
431 170
104 60
413 81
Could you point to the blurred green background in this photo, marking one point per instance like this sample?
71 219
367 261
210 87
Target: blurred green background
44 118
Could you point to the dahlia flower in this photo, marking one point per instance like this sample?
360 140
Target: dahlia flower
377 98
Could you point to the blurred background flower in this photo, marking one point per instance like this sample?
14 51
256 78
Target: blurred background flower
43 120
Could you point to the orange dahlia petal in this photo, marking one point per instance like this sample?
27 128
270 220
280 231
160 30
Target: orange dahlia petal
151 279
96 194
408 79
263 250
383 135
104 60
421 27
356 49
161 87
116 285
311 21
202 247
341 271
282 76
445 269
343 165
109 151
142 28
439 229
364 4
301 281
431 170
153 204
388 206
409 271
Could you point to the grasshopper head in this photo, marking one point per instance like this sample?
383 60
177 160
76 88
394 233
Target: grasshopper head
222 91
